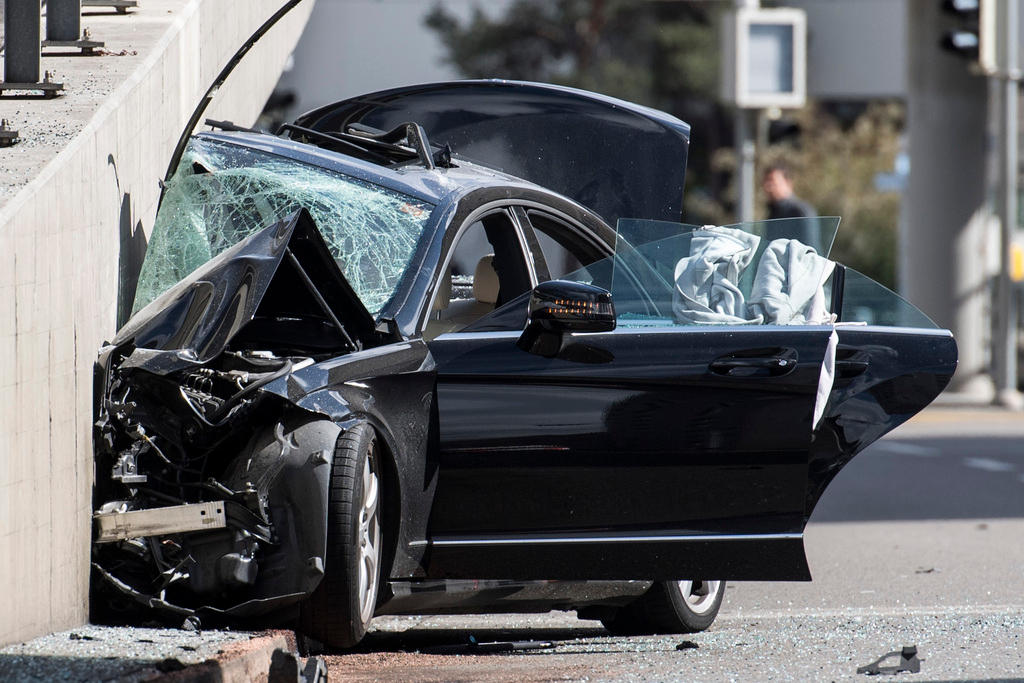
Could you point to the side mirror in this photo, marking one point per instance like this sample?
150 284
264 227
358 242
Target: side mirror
560 306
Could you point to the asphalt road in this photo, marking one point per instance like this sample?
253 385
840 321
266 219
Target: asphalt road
917 542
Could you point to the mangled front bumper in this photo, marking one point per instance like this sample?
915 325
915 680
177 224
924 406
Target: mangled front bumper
215 432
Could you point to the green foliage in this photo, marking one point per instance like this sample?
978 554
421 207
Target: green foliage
834 168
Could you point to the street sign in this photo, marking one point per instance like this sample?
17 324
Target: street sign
764 58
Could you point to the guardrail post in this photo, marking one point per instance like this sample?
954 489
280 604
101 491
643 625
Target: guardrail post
21 35
63 20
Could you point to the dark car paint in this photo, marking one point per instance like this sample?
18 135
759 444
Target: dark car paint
884 376
445 409
617 158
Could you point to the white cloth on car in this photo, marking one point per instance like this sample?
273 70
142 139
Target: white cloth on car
707 281
787 286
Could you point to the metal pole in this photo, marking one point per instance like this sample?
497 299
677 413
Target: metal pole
746 150
63 20
1004 351
746 147
21 35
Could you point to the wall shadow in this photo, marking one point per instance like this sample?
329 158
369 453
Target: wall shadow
131 252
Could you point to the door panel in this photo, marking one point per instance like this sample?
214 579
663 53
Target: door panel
884 376
629 435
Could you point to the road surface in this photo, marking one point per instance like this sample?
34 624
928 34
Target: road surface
917 542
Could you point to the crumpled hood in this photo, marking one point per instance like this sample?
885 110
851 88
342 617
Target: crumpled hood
194 321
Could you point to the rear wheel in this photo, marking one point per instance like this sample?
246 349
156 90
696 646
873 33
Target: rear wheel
670 607
341 608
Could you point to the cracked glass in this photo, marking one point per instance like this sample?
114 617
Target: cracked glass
222 193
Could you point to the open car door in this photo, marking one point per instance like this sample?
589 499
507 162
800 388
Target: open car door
691 441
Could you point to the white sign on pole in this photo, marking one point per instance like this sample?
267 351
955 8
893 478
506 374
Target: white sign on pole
764 58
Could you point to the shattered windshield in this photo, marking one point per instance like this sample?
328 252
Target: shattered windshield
222 193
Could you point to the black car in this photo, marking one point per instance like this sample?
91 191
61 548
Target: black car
447 349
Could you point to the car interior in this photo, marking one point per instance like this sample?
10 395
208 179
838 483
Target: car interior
487 269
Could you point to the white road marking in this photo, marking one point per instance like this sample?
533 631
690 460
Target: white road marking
875 613
908 449
989 465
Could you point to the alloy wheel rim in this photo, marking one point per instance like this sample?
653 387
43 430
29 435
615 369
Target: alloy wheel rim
369 540
699 596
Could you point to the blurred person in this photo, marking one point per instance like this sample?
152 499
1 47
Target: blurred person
784 203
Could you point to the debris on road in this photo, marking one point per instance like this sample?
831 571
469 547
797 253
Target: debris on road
909 663
473 647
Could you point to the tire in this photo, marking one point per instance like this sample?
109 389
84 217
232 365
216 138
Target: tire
670 607
340 610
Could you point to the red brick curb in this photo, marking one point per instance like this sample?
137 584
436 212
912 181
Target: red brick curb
240 662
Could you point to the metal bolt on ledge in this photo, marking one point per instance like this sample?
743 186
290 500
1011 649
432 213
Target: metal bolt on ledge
7 136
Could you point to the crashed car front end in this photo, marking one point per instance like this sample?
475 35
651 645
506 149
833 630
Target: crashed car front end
218 405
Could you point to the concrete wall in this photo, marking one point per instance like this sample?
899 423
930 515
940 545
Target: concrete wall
60 242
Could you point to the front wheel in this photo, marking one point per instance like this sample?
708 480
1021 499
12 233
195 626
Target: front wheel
341 608
670 607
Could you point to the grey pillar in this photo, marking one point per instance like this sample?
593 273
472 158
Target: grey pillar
21 37
946 219
1004 346
746 152
63 20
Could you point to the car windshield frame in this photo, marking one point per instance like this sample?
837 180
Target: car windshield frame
224 192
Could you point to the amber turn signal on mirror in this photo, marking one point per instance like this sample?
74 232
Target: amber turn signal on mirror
564 306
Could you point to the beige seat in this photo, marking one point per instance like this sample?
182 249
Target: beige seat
438 323
485 294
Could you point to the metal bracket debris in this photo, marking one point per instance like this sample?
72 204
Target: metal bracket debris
475 647
909 663
7 136
286 667
118 526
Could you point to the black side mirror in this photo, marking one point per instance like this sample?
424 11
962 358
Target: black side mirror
560 306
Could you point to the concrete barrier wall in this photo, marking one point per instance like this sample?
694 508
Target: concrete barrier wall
61 238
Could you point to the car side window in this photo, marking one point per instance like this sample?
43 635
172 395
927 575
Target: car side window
487 269
563 249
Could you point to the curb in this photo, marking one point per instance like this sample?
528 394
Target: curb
271 657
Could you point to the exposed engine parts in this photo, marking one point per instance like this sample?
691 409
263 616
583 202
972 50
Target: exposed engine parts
180 507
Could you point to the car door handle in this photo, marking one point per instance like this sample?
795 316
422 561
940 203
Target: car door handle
846 369
773 366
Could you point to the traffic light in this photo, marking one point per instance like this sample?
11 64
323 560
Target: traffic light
973 35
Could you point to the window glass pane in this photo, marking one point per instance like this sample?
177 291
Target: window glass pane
866 301
563 248
752 274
